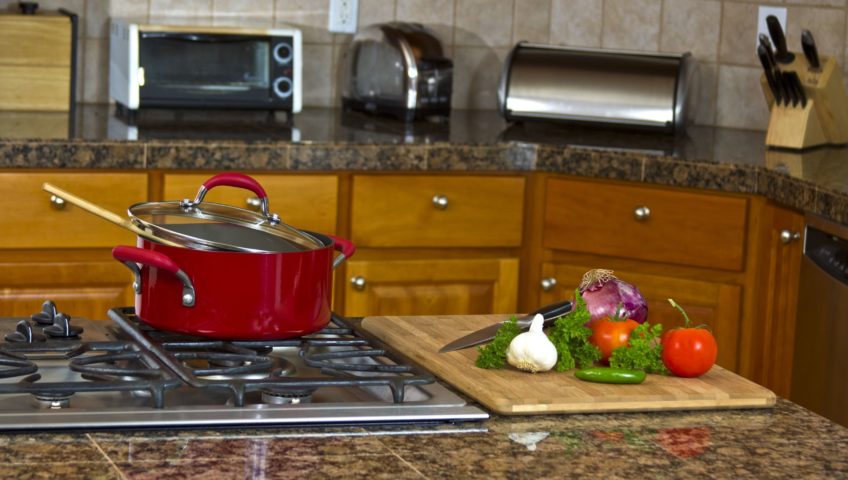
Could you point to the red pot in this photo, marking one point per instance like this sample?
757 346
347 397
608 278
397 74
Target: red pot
233 294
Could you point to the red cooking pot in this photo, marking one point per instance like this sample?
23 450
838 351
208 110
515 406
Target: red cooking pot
241 275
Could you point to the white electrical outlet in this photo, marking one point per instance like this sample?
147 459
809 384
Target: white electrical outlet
779 12
343 14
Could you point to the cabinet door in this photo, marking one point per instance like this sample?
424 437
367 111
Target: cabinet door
712 303
85 284
431 287
770 339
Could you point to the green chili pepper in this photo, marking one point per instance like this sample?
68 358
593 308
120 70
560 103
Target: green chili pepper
610 375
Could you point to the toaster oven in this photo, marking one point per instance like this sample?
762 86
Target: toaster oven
397 69
640 90
204 67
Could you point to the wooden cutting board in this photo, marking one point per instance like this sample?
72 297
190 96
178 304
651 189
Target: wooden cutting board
512 392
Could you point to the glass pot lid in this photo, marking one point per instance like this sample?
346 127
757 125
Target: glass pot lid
213 226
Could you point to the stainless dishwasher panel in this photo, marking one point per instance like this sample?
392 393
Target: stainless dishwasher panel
819 381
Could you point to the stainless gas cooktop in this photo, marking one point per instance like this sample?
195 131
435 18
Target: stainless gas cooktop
63 373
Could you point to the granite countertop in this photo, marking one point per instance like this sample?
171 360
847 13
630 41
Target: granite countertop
728 160
785 442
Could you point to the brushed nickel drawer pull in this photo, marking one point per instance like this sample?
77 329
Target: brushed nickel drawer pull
358 282
440 201
548 284
57 203
788 236
642 213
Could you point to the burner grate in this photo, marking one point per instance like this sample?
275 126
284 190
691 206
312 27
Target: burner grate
339 356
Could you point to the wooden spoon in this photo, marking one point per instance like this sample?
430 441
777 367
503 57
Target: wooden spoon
105 214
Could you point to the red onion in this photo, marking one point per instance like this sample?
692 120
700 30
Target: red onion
604 293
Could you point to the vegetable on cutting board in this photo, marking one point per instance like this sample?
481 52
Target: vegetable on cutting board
688 351
610 375
531 351
607 296
493 355
643 351
611 333
570 336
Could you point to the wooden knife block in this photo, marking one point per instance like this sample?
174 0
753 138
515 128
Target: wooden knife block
824 121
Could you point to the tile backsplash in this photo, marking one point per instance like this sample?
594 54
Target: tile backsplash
479 33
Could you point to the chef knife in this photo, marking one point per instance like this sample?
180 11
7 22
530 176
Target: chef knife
550 313
789 83
767 66
798 87
808 43
781 54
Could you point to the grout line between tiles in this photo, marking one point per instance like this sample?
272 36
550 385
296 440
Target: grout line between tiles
112 463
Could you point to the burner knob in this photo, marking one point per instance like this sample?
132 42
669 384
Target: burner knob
62 327
23 334
47 315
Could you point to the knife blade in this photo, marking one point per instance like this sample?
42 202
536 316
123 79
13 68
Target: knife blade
799 88
808 43
781 54
549 312
772 82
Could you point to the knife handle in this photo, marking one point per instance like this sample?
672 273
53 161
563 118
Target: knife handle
810 50
762 52
548 312
781 54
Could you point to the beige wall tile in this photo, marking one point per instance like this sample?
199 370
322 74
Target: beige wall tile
168 9
375 11
475 77
826 3
632 24
248 13
95 69
741 103
827 26
98 13
738 34
436 14
318 75
483 22
691 25
135 9
531 21
310 16
707 86
576 23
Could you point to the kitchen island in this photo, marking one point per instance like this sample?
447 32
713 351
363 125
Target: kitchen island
785 442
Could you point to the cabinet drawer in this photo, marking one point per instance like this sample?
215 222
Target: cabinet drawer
404 211
30 220
309 202
678 227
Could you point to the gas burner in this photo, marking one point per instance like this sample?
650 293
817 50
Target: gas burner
17 365
224 364
24 334
112 365
52 401
278 396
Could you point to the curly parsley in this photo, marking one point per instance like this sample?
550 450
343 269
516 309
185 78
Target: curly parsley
570 336
493 355
643 351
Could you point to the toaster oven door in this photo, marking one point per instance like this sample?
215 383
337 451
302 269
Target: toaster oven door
209 70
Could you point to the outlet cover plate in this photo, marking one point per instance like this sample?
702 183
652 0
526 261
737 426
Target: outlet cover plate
343 16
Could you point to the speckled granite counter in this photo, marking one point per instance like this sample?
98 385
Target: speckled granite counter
787 442
330 140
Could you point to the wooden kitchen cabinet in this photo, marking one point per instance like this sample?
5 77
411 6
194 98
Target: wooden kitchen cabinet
714 303
58 252
431 286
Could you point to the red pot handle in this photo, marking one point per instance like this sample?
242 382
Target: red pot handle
132 256
238 180
345 247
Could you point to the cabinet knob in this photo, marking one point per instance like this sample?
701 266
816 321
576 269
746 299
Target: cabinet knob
642 213
440 201
358 282
57 202
254 203
548 283
788 236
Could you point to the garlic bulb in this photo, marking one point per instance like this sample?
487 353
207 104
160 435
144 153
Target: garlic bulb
532 351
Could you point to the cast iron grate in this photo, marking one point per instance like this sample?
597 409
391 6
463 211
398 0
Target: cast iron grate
338 352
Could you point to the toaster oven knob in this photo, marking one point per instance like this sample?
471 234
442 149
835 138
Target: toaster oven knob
283 87
283 53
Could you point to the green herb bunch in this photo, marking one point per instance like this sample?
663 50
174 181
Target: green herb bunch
643 351
570 336
493 355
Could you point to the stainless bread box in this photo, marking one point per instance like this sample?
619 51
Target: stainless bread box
652 91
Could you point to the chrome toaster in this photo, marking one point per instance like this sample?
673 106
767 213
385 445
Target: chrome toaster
651 91
399 69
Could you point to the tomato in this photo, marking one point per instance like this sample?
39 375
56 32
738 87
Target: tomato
609 334
689 352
